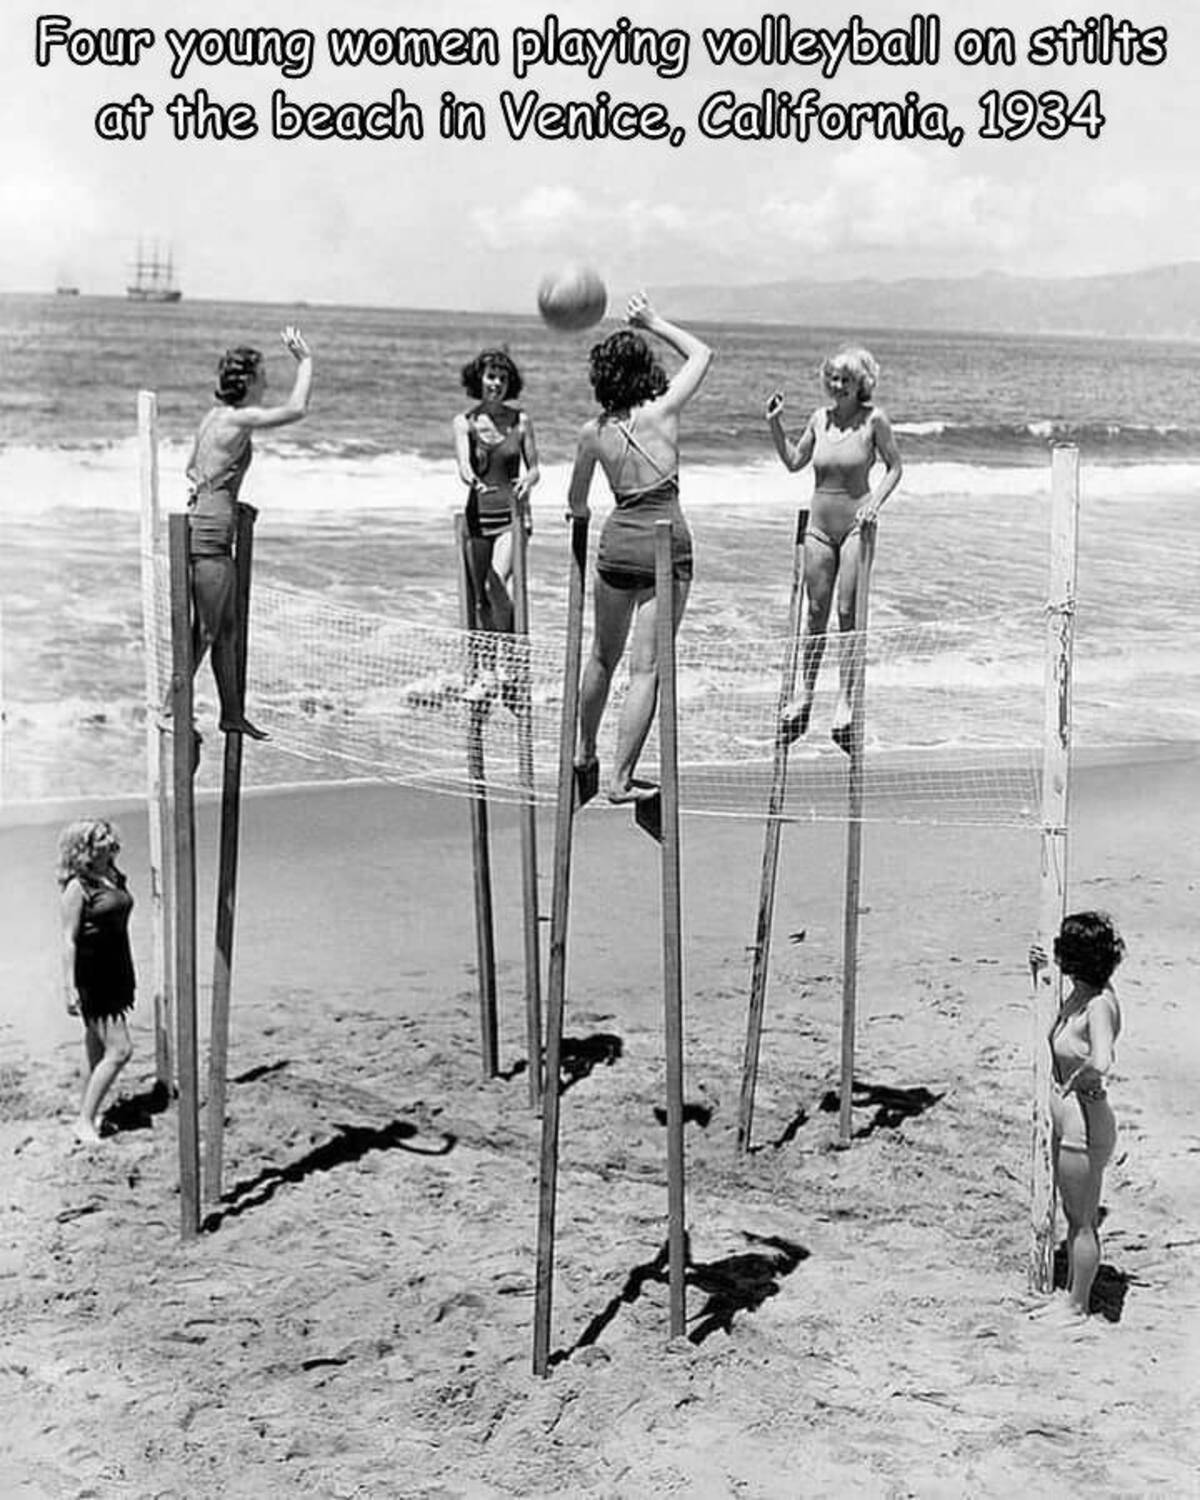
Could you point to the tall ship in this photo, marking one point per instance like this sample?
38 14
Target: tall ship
153 277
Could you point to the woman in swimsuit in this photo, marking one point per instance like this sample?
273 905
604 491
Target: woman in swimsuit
1087 950
97 963
843 441
491 441
220 457
636 442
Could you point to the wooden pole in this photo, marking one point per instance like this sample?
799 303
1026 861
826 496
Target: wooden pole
227 873
854 805
1056 772
477 711
523 707
668 750
771 840
185 877
157 769
560 906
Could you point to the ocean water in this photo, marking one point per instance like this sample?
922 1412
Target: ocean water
356 509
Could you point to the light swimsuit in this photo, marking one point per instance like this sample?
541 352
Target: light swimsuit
1083 1119
625 557
842 460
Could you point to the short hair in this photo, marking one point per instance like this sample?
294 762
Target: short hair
860 363
1089 947
237 370
79 844
625 371
492 359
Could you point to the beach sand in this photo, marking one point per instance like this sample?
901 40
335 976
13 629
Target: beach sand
359 1321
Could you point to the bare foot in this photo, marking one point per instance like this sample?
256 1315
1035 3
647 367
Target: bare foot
85 1131
243 726
793 719
634 790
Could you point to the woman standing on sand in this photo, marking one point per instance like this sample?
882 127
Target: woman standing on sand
635 440
1087 949
492 439
843 440
98 975
220 456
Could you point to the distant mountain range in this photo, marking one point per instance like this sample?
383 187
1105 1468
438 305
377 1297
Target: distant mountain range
1162 302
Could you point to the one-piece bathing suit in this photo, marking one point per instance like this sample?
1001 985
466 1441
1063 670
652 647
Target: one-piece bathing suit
496 463
842 460
212 519
1083 1119
625 557
104 977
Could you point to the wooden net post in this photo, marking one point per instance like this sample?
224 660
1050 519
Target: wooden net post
771 840
1056 770
185 877
854 807
523 707
668 745
227 874
560 906
158 774
477 710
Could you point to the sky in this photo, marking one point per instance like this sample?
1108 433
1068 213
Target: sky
475 224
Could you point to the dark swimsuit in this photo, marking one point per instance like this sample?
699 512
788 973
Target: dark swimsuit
625 557
104 975
496 464
212 519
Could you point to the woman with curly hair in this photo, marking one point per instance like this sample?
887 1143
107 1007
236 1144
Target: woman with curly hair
98 975
843 441
635 440
491 441
220 456
1088 949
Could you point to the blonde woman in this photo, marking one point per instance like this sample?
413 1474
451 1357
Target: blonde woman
98 976
844 441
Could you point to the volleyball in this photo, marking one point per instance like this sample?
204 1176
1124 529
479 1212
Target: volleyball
572 298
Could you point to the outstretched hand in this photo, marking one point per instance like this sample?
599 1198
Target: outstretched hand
638 310
1038 959
294 343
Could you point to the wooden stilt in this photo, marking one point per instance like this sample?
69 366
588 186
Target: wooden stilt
560 905
771 839
485 943
157 748
668 743
227 873
523 707
185 877
1052 898
854 806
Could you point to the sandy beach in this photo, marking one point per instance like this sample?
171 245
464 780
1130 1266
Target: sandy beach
358 1320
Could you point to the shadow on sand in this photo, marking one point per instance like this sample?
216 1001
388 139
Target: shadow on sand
892 1106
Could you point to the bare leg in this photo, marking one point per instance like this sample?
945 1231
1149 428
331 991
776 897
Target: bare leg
493 605
614 615
108 1050
850 647
820 573
637 712
215 625
1079 1182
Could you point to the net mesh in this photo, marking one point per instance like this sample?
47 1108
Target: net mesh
391 698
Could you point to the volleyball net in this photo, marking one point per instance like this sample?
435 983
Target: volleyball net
344 691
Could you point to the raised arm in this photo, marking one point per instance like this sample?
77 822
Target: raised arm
794 455
696 354
885 447
581 475
296 404
72 911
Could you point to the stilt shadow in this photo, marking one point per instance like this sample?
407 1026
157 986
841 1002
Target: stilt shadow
734 1284
789 1133
693 1114
579 1056
1109 1289
136 1111
350 1144
892 1106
